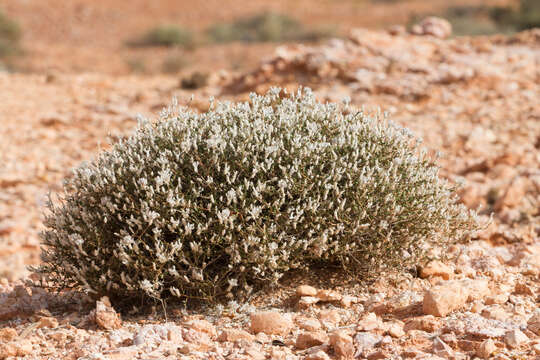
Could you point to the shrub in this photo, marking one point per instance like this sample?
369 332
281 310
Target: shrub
10 34
527 16
174 63
165 35
136 65
201 206
265 27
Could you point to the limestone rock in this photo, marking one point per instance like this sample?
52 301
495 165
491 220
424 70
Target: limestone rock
514 338
434 26
306 290
48 322
442 299
105 316
309 324
311 338
202 326
486 348
437 268
342 344
233 335
369 322
271 323
328 295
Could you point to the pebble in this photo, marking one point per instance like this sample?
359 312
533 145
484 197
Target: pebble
366 340
515 338
307 323
342 344
328 295
451 295
311 338
7 334
319 355
437 268
395 328
48 322
233 335
202 326
270 323
306 290
105 316
369 322
486 348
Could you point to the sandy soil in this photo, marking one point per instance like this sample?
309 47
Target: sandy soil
473 99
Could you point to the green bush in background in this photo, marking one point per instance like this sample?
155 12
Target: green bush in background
165 35
10 34
265 27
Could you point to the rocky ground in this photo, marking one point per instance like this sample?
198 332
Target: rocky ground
473 99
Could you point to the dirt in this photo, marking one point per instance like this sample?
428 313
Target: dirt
473 99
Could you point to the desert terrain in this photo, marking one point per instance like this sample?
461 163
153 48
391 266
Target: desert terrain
476 100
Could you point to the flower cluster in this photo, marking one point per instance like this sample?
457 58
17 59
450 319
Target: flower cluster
210 205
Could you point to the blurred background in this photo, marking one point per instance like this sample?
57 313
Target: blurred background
171 36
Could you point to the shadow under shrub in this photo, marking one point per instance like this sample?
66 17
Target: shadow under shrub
209 206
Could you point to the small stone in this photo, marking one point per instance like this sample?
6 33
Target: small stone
309 324
122 353
307 301
486 348
427 323
466 345
105 316
342 344
495 313
202 326
254 353
523 289
450 295
514 338
440 348
16 348
319 355
437 268
328 295
477 307
7 350
306 290
533 324
263 338
434 26
536 348
233 335
395 30
513 195
367 341
199 339
496 299
48 322
347 300
309 339
271 323
7 334
377 355
369 322
330 317
395 329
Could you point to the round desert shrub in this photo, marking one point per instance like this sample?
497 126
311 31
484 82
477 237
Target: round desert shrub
200 206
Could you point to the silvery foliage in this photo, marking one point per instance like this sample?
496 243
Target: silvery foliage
206 205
